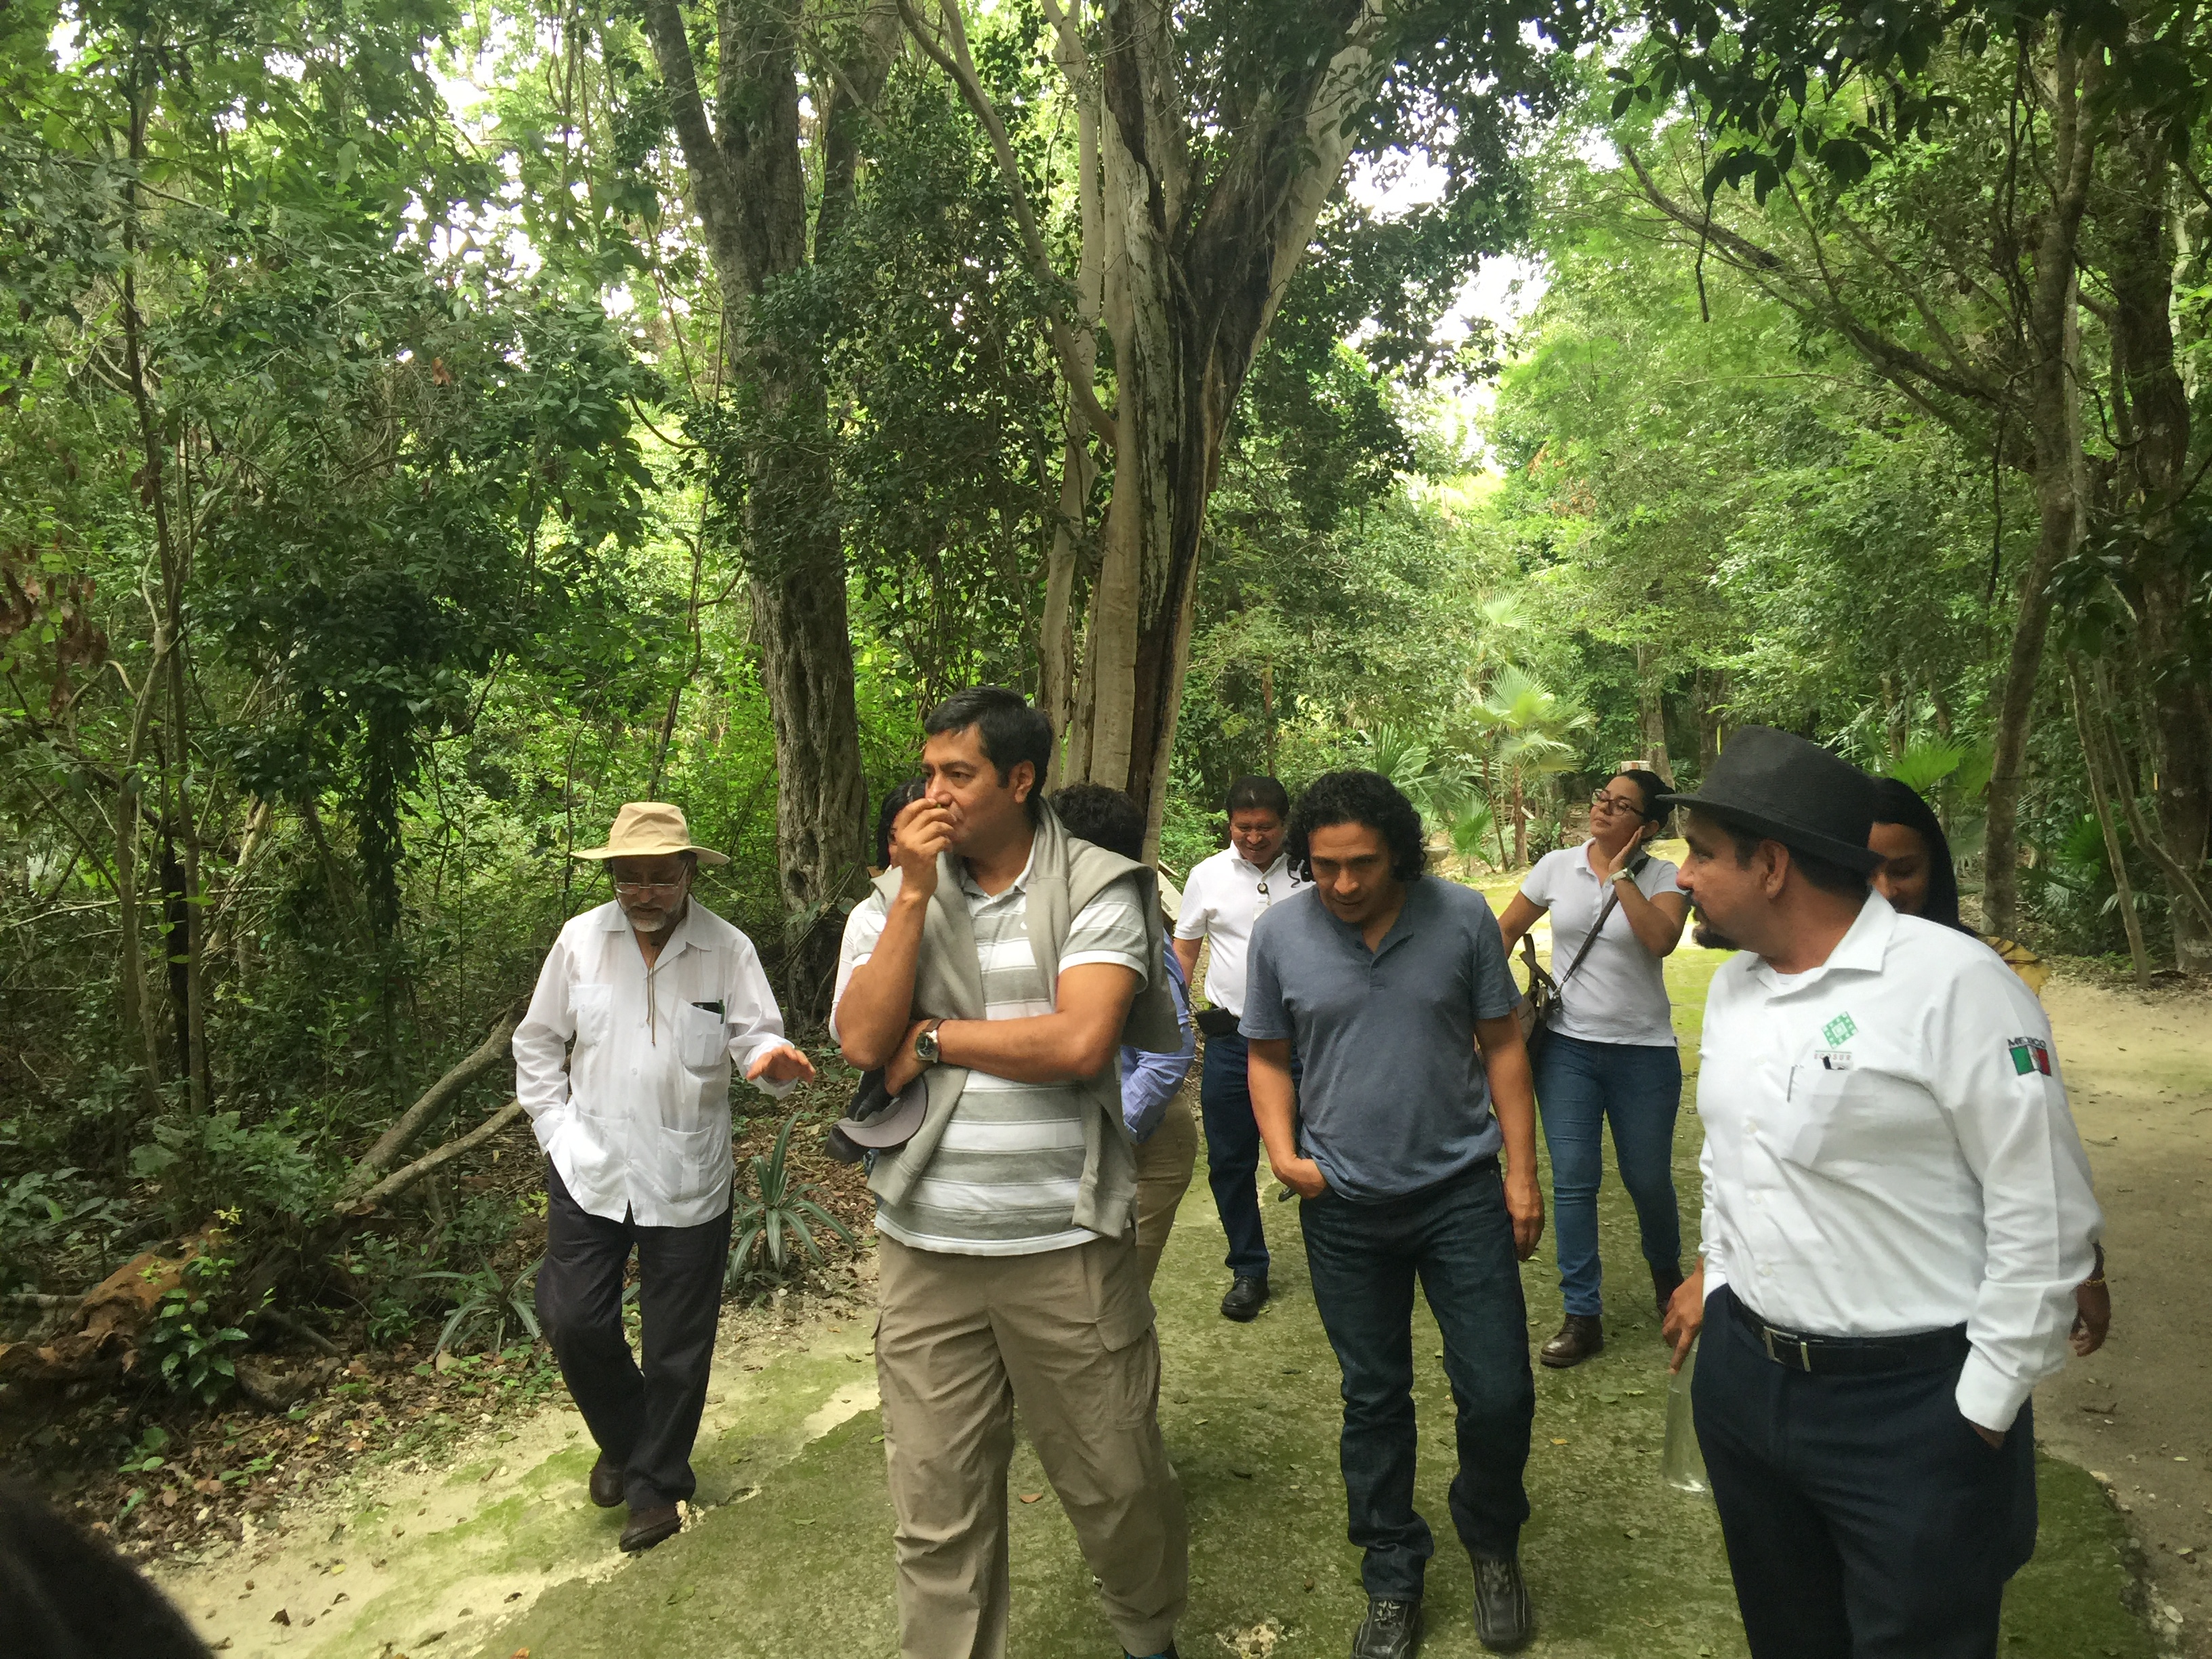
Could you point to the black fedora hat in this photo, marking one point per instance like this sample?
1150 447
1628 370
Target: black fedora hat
1783 788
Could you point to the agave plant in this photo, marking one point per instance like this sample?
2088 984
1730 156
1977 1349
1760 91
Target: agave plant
484 1302
780 1209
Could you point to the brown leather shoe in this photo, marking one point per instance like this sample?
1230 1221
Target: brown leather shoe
650 1526
606 1482
1581 1336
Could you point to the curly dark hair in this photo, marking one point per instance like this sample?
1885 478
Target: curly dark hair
1356 797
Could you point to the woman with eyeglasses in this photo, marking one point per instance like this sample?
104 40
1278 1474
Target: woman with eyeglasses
1609 1053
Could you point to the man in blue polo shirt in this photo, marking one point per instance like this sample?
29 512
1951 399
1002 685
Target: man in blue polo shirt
1394 986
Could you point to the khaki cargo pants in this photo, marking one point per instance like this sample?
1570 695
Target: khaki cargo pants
1066 1335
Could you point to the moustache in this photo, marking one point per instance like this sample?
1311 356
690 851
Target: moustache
1704 935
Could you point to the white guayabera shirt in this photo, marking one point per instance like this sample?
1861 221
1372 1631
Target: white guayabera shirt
1888 1150
637 1122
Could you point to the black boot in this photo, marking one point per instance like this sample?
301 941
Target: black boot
1665 1281
1392 1629
1580 1336
1245 1299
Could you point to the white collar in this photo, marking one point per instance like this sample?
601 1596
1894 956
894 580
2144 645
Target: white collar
613 921
1020 884
1863 949
1282 862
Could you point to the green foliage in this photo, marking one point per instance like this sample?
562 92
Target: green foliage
781 1210
45 1214
220 1162
187 1344
485 1304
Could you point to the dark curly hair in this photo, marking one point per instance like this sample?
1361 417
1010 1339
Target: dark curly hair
1356 797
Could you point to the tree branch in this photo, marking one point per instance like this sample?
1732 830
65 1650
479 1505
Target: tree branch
961 66
433 1099
400 1180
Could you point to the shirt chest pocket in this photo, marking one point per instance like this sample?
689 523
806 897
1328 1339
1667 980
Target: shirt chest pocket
702 1039
1846 1115
594 1008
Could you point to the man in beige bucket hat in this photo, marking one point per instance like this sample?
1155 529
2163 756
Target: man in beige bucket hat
659 998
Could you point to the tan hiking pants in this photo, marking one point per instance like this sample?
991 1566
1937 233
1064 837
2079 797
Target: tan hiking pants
1164 1166
1066 1335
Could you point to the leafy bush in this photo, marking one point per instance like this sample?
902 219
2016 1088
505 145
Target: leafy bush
483 1300
215 1162
779 1209
42 1214
188 1344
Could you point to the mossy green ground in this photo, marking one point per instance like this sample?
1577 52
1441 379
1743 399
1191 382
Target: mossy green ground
1618 1564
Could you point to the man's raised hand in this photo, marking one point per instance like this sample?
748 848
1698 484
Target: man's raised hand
922 829
782 1064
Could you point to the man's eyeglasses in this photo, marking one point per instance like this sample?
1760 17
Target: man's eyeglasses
1611 803
648 886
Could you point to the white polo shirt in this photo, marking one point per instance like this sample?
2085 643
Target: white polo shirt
1888 1149
1220 902
1619 994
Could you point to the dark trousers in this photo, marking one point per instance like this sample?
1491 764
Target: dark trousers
1457 1238
645 1420
1580 1086
1232 1151
1864 1517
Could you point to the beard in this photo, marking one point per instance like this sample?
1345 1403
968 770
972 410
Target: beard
1707 937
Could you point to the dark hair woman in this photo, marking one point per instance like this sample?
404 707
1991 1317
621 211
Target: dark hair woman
1918 879
1610 1054
1916 875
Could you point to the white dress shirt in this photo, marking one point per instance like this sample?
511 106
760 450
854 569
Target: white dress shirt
1220 902
1888 1149
638 1120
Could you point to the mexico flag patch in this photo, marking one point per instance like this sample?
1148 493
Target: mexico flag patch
2030 1054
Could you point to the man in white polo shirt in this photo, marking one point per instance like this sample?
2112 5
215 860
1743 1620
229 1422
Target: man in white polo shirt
1225 895
1897 1211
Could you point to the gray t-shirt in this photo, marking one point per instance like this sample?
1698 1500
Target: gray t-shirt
1394 1098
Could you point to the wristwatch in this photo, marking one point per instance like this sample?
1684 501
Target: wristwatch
1623 874
925 1042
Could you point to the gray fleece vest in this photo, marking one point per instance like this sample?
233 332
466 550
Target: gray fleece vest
1065 875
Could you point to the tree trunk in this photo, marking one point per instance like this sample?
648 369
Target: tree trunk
1712 698
2151 412
2101 802
748 186
1188 302
1651 714
2055 339
1520 823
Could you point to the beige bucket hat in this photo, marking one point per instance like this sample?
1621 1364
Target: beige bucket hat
648 830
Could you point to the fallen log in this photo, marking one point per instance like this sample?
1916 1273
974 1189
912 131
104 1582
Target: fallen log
102 1335
491 1052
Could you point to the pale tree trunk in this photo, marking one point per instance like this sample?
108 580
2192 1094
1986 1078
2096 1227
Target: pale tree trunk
748 187
1713 702
2054 329
1187 300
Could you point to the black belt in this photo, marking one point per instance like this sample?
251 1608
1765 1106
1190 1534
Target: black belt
1852 1356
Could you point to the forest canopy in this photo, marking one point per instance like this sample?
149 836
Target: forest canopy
426 427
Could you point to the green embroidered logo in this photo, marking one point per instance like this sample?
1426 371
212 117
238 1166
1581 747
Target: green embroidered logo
1840 1029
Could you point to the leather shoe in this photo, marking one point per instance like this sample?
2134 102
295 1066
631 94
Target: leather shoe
1245 1299
651 1525
1502 1617
1167 1652
1665 1281
606 1482
1581 1336
1392 1629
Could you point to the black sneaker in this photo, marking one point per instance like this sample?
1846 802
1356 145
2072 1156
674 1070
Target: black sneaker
1168 1652
1502 1618
1392 1629
1245 1299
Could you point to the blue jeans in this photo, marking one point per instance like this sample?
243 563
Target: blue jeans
1578 1086
1363 1259
1232 1151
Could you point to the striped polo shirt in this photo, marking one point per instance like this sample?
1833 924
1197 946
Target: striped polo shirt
1004 1178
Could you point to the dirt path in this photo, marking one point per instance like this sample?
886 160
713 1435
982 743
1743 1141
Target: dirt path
2139 1414
497 1551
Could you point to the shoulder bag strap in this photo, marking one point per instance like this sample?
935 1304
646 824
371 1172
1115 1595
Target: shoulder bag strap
1634 867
